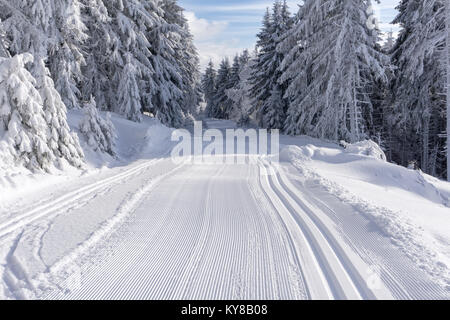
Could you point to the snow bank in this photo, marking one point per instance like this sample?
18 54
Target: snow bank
366 148
408 206
135 141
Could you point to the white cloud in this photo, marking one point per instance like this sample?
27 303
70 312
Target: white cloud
215 52
212 39
203 29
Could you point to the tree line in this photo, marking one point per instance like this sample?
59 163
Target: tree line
123 56
324 72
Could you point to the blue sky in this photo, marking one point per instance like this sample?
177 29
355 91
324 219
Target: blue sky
224 28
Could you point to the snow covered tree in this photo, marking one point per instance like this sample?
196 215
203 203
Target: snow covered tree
447 62
340 62
241 104
100 134
221 101
103 53
186 55
22 115
266 74
389 42
66 56
129 102
60 140
209 87
418 116
52 30
4 53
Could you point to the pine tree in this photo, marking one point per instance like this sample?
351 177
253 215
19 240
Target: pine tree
22 114
331 94
51 30
447 62
239 93
266 74
66 55
221 101
186 55
61 141
209 87
100 134
103 56
418 115
129 103
389 43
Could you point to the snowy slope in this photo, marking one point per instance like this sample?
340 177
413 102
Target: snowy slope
326 223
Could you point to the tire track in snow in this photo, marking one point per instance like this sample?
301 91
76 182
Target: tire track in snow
72 198
396 270
181 244
345 275
315 278
290 266
127 207
145 260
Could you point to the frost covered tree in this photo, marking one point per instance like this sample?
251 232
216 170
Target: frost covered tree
186 55
340 61
221 101
52 30
389 43
241 104
60 140
4 53
209 86
66 56
129 102
22 115
447 62
100 134
266 71
418 116
103 53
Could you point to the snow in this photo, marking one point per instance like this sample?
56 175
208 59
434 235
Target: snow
322 224
408 206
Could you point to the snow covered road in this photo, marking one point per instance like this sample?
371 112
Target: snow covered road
160 230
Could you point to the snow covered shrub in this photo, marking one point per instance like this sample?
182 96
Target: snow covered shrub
366 148
33 119
100 134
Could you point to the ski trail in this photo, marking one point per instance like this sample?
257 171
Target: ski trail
315 278
128 206
59 204
202 234
345 271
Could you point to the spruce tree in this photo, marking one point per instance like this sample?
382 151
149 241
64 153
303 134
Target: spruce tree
331 93
100 134
221 101
419 107
266 74
209 87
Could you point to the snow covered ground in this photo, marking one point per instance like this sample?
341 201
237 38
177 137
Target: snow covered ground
327 222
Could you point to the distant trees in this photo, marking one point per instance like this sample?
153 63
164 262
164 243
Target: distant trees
325 73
